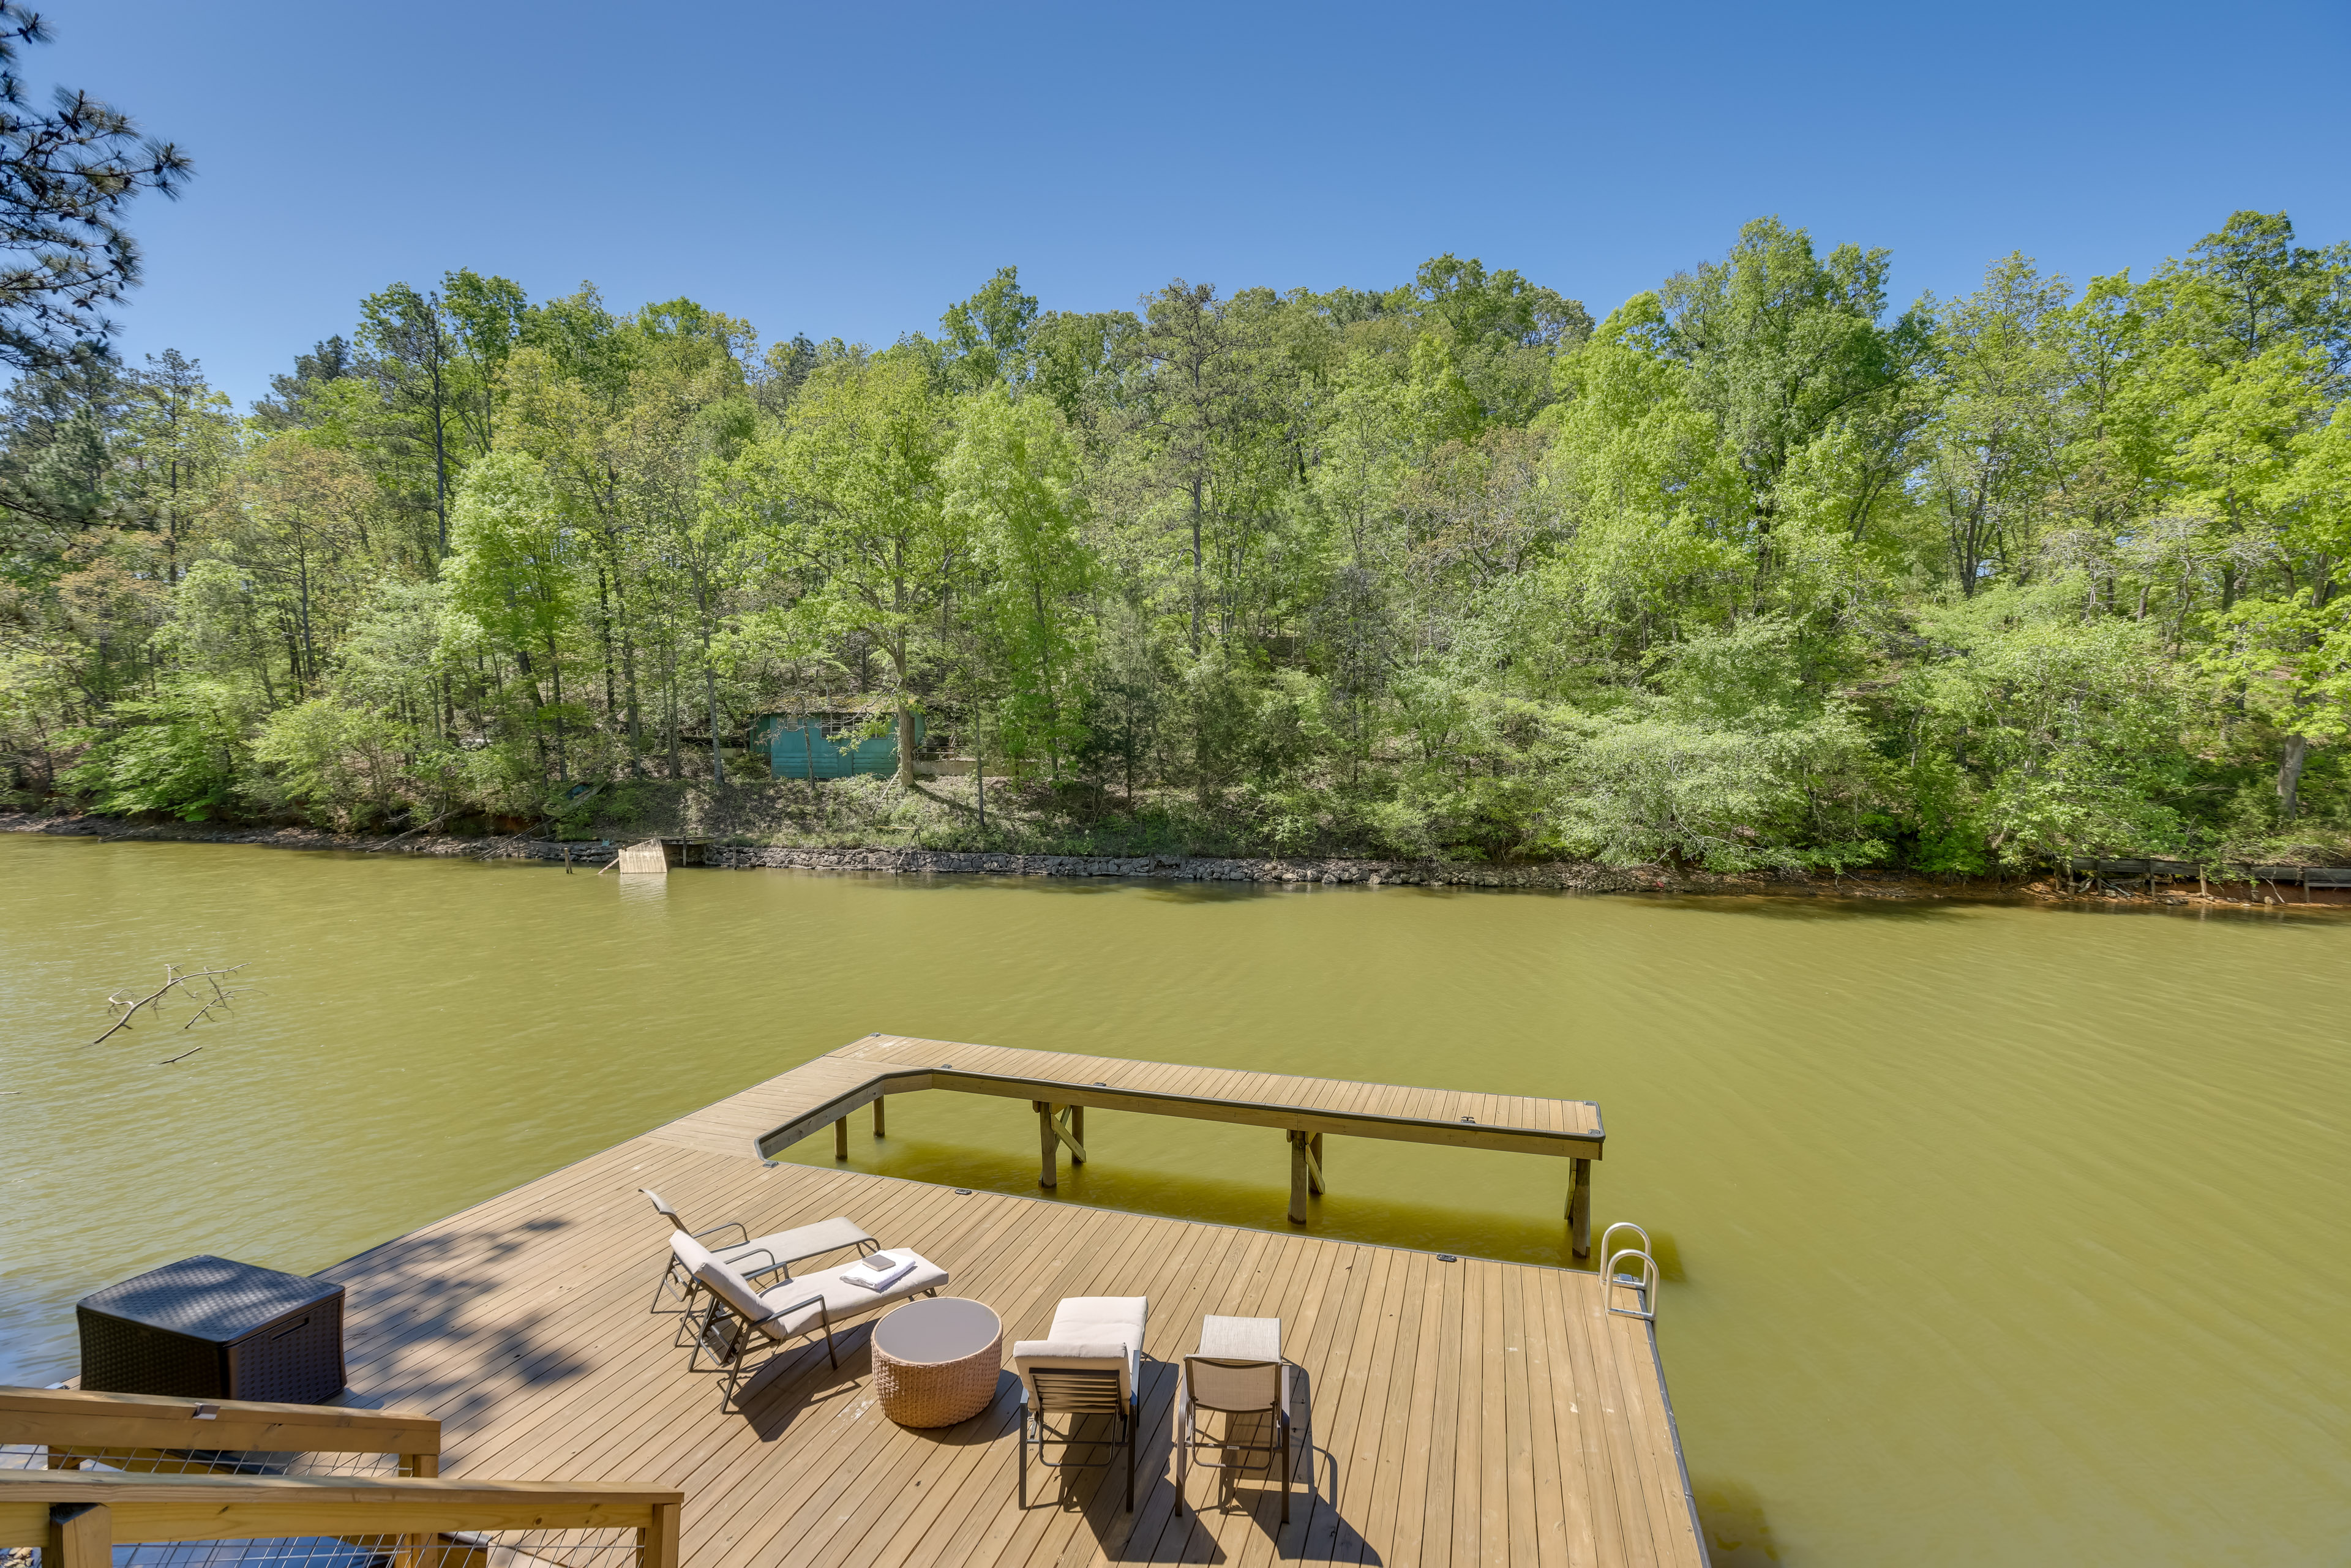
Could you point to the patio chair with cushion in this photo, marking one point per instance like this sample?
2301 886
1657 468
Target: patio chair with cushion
1239 1373
741 1318
749 1255
1090 1362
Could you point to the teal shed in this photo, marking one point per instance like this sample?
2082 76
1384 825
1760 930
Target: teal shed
826 745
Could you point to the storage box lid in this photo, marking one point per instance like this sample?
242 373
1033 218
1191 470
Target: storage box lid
209 1298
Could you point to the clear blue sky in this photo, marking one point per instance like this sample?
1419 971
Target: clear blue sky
850 169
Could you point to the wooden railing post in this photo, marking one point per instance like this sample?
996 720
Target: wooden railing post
877 1115
840 1139
81 1535
657 1542
1298 1177
418 1551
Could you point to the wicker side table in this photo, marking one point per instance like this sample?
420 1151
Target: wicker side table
936 1360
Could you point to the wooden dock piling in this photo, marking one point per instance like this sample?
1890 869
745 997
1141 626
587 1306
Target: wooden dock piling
1579 1210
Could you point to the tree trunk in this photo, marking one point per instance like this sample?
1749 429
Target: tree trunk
897 651
2289 778
555 673
671 722
604 630
1195 565
440 453
710 695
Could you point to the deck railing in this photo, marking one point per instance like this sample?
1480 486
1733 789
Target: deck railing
205 1484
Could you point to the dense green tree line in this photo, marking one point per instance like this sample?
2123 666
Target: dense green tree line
1756 570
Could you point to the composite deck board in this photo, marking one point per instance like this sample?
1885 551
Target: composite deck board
1465 1412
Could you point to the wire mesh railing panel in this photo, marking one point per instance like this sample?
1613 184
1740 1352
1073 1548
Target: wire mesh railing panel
462 1549
196 1461
616 1547
304 1552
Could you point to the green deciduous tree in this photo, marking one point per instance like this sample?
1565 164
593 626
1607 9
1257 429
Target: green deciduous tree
1013 493
513 573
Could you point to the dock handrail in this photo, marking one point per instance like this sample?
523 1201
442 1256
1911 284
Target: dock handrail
79 1516
1642 1285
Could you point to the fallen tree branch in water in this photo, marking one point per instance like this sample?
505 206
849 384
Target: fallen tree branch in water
172 979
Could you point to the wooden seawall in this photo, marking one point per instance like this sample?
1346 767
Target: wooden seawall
1465 1411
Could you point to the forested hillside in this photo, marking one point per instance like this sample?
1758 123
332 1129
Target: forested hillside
1760 570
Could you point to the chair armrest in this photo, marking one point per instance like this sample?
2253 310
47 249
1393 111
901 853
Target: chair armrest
735 1225
739 1261
777 1314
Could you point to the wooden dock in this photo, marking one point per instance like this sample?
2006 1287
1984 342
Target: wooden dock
1059 1086
1465 1411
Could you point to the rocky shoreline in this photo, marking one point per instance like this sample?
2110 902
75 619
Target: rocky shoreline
1554 876
1567 876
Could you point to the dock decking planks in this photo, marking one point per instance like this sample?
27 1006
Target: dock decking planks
1464 1412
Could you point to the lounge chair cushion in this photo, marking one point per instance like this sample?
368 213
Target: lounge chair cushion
765 1254
788 1309
841 1299
1089 1333
1119 1318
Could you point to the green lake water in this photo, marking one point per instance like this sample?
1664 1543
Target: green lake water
1993 1234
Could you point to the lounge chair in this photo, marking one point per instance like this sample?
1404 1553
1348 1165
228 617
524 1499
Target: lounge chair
740 1317
751 1255
1239 1371
1089 1361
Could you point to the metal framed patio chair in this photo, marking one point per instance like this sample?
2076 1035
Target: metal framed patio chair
1089 1362
749 1255
1239 1373
741 1319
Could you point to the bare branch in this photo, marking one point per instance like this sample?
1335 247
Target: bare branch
172 978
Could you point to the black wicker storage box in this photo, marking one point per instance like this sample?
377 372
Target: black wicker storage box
212 1328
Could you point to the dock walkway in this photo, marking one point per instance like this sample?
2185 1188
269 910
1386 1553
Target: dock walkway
1465 1411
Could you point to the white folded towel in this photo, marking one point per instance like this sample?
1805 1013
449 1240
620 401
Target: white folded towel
879 1271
